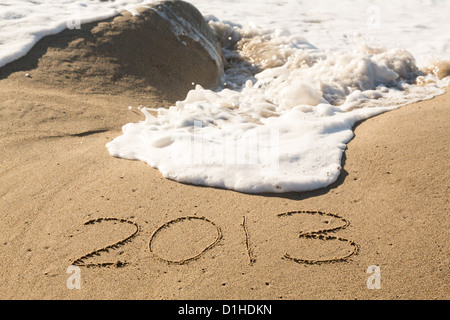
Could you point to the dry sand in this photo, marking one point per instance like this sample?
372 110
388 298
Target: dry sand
56 174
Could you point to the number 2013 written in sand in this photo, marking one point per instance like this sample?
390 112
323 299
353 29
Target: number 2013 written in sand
319 235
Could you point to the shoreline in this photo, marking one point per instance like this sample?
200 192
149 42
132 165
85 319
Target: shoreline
393 192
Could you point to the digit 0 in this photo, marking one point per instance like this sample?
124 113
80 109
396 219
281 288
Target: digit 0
183 220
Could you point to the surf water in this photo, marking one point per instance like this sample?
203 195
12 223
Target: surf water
300 75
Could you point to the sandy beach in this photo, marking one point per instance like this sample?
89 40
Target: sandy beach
389 208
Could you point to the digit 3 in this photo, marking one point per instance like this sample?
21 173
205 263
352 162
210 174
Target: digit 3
321 234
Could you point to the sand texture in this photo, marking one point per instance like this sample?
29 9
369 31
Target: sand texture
135 235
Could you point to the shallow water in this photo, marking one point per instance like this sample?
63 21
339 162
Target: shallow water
300 75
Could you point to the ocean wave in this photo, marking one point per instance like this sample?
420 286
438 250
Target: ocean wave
290 87
282 117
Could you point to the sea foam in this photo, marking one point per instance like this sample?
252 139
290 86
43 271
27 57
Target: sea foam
281 129
283 117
